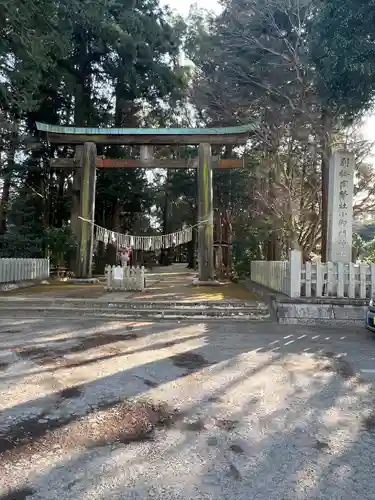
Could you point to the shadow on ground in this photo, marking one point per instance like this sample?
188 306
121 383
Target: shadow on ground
248 412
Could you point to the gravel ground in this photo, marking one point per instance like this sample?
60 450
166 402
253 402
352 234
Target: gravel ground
111 410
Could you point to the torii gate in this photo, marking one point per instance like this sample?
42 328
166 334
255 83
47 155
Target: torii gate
86 162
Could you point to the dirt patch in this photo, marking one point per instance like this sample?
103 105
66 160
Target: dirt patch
226 424
70 393
361 380
236 448
337 364
112 351
59 289
195 426
369 422
123 422
3 366
189 361
234 473
165 345
42 355
86 343
212 441
24 431
54 353
19 494
321 445
31 431
344 369
149 383
215 399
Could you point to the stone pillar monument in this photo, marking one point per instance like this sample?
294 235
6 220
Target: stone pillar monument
205 215
340 207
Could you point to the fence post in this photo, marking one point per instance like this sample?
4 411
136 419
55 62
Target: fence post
308 272
330 287
107 271
7 270
351 284
142 278
372 291
127 273
362 280
340 280
295 266
137 278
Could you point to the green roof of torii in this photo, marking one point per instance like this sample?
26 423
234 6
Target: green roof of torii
79 135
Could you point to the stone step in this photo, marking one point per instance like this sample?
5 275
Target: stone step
23 302
12 310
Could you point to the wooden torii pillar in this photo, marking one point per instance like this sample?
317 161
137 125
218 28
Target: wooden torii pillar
206 268
86 180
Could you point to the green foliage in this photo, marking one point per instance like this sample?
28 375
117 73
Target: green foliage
18 245
103 63
369 251
342 44
299 66
61 244
357 246
305 69
244 251
367 231
25 236
29 43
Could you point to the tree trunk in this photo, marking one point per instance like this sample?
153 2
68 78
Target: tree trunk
165 254
192 257
116 220
83 83
11 153
60 200
326 151
82 117
5 203
230 244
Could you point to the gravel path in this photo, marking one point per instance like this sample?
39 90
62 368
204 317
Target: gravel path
111 410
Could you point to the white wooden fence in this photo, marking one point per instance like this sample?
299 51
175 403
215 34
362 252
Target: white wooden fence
119 278
315 279
338 280
273 274
16 270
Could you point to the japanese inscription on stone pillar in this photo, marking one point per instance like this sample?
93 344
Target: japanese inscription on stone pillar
340 206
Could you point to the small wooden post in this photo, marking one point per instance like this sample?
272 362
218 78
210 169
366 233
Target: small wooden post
87 210
295 267
205 215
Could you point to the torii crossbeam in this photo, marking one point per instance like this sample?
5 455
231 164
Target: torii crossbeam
86 159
